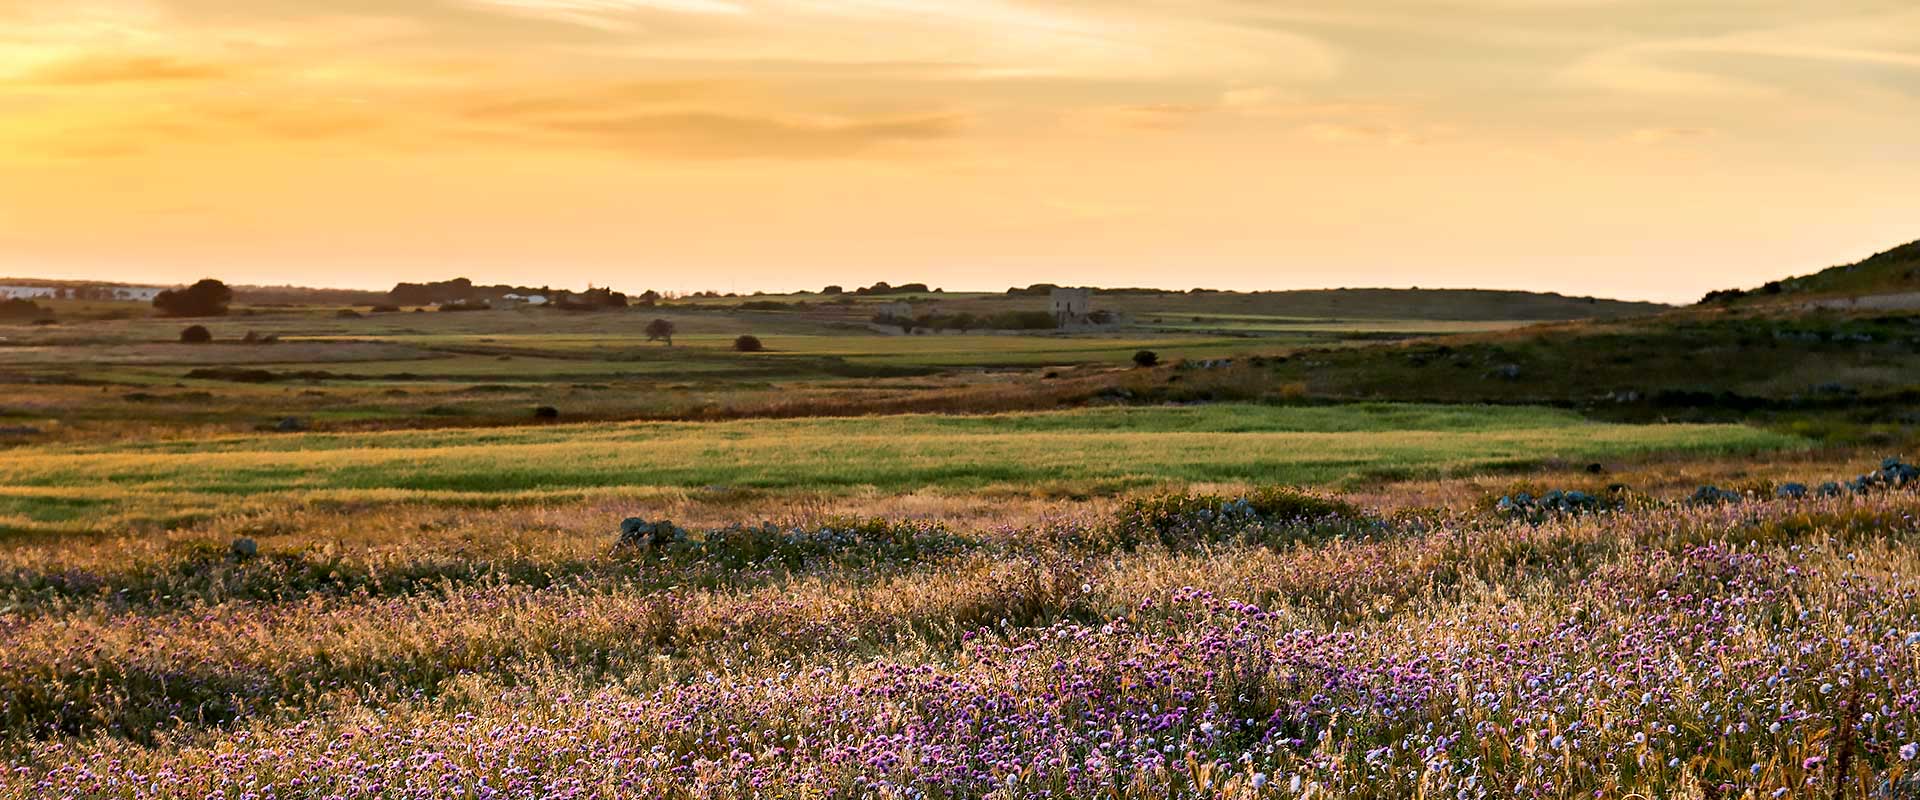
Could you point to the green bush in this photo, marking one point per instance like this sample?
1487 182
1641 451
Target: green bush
1268 515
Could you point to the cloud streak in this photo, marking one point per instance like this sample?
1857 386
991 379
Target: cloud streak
106 69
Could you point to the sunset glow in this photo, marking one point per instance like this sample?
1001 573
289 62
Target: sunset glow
1636 148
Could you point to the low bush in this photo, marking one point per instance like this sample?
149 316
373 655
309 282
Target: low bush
1270 515
847 541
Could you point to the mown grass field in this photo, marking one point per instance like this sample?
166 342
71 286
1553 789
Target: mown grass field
1084 451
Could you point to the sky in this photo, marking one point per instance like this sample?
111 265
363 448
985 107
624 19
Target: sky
1646 149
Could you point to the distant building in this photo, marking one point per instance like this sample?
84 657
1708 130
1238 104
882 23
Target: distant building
130 294
1071 306
135 294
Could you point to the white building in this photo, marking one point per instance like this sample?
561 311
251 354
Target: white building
136 294
518 300
129 294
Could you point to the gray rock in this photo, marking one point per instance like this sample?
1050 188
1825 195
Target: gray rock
1507 372
290 425
1713 496
1790 491
639 532
244 548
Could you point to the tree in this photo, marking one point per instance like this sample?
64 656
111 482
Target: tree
748 343
1146 358
196 334
833 289
207 298
660 329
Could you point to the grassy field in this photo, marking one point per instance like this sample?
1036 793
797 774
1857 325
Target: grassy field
338 369
1093 451
1346 652
357 563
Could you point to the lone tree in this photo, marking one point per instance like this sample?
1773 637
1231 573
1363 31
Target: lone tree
196 334
1146 358
208 298
748 343
660 329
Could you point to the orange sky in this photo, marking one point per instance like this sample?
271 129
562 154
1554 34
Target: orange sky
1635 148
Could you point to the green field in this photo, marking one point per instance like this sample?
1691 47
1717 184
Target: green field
1092 450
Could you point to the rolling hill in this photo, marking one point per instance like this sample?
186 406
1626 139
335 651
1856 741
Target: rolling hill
1894 272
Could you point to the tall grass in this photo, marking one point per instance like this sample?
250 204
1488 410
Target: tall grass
1745 650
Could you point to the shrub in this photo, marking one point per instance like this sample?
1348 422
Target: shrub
846 541
385 309
196 334
748 343
22 309
1268 515
660 329
207 298
1146 358
1021 321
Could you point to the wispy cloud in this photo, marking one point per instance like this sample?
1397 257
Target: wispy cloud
1724 64
103 69
610 14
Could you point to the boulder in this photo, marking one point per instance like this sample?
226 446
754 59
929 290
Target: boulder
244 548
1713 496
640 532
1790 491
290 425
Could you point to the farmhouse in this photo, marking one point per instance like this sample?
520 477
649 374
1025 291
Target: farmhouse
1071 306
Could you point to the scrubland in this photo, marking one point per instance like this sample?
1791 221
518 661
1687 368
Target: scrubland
1289 646
357 564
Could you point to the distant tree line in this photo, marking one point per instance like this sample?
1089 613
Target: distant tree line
882 287
463 293
1044 289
